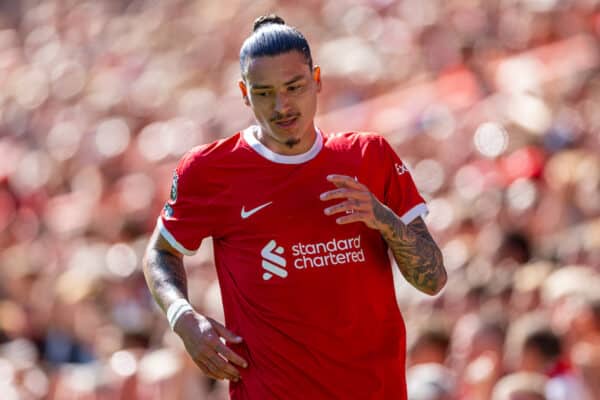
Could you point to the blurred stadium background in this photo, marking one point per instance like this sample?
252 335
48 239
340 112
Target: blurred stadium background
493 104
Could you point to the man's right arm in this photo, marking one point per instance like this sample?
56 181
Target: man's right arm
166 278
164 271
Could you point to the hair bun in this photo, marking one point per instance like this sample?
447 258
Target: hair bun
267 19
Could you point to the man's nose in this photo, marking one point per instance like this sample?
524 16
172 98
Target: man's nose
282 103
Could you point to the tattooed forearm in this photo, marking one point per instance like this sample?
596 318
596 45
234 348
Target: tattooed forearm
165 276
418 256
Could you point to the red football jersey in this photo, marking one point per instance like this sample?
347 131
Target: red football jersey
313 300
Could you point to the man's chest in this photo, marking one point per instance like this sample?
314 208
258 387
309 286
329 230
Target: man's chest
281 200
273 233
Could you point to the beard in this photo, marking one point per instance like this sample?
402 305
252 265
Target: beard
290 143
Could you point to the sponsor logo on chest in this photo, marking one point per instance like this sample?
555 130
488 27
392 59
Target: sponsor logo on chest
309 255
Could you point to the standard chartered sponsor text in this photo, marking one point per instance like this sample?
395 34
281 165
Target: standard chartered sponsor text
324 254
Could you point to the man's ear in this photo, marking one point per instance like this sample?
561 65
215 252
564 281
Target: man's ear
317 76
244 90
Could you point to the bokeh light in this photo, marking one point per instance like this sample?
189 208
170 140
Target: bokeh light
105 90
469 182
36 382
441 214
491 139
30 87
529 112
438 121
521 194
430 175
135 191
121 260
198 104
7 372
63 140
154 141
123 363
68 79
519 75
112 137
32 172
456 254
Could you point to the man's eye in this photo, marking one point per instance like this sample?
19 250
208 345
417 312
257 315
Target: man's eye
262 94
294 88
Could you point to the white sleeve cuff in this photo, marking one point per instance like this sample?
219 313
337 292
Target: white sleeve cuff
171 239
420 210
176 310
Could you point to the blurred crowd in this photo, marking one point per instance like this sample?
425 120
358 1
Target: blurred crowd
492 103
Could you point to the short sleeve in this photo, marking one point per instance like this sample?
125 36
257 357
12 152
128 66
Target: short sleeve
185 218
400 192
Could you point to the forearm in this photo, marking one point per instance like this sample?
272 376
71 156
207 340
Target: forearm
416 253
165 277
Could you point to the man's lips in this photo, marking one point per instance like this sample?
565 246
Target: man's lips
286 122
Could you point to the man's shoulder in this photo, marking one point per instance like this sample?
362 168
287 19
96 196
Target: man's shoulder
207 154
218 147
354 138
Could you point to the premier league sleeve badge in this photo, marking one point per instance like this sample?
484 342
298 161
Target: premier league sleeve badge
174 187
168 210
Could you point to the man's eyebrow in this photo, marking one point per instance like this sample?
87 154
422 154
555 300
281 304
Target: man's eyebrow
293 80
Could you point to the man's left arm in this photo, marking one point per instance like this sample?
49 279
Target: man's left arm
418 256
416 253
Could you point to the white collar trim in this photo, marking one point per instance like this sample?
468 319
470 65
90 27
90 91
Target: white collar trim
249 135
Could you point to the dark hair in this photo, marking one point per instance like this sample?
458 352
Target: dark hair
270 37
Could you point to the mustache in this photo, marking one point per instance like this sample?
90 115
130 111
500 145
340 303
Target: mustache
280 117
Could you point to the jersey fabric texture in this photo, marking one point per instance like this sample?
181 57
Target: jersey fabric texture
313 300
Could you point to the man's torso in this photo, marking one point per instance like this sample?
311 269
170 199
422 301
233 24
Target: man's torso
313 300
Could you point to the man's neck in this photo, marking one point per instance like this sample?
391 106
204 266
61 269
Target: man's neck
288 149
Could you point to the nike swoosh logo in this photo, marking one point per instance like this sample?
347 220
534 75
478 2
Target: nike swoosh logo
246 214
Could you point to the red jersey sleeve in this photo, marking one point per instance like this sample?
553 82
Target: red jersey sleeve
400 192
185 218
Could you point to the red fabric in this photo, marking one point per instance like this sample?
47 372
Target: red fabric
561 367
331 328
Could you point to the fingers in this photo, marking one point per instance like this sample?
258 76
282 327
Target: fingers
207 371
225 333
358 204
348 206
347 187
359 216
209 351
344 193
225 351
203 365
202 360
213 365
345 181
220 354
221 368
231 355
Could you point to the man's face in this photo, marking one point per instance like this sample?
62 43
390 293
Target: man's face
282 92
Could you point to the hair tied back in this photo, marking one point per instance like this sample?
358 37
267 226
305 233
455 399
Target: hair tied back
265 20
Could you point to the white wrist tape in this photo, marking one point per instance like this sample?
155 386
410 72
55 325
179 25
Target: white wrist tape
176 310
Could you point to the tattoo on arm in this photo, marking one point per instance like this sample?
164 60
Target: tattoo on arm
166 277
418 256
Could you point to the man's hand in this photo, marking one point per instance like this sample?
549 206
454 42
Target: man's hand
416 253
202 338
166 278
360 205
